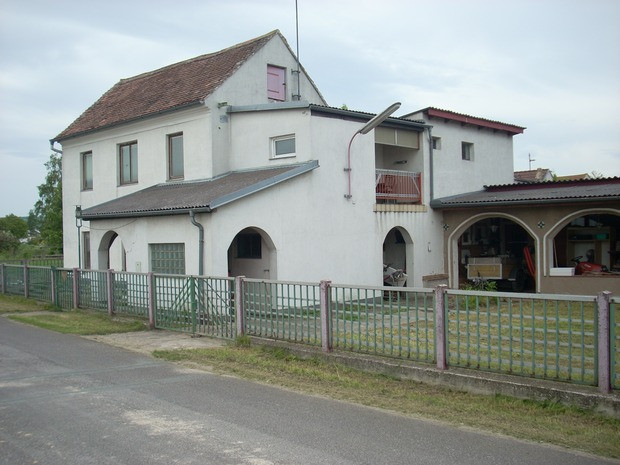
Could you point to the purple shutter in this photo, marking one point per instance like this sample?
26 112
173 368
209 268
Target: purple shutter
276 88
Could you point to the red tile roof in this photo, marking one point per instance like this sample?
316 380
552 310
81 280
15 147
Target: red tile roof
174 86
537 175
433 112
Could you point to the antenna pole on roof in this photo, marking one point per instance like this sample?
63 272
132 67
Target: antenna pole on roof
298 95
529 157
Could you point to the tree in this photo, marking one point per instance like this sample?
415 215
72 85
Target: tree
47 213
14 225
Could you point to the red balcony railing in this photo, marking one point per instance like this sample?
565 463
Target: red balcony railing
394 186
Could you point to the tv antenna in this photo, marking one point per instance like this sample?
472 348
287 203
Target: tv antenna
530 159
297 96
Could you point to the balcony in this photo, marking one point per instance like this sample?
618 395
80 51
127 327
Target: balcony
401 187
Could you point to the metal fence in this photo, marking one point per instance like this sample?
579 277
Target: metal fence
554 337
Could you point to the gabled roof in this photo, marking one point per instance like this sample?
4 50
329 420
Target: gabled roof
172 87
606 189
432 112
176 198
537 175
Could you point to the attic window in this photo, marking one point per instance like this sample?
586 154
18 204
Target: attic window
283 146
467 151
276 85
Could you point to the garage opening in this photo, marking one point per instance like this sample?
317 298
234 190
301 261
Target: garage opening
497 253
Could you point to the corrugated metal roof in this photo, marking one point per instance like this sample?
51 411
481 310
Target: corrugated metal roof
176 198
607 189
168 88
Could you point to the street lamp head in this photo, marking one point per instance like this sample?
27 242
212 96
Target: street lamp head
78 211
378 119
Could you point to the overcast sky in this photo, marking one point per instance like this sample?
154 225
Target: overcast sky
552 66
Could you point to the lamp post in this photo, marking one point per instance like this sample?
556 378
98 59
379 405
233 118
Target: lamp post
78 224
369 126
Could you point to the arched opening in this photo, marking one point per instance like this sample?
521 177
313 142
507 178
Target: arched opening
586 244
397 258
252 254
111 253
496 252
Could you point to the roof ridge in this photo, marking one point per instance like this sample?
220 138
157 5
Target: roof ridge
200 57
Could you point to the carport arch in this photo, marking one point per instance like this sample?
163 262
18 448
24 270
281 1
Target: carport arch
453 261
103 250
268 264
408 246
550 235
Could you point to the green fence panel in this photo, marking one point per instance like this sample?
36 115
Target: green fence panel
130 291
174 302
550 337
388 321
40 283
614 328
63 279
282 310
93 289
14 280
215 307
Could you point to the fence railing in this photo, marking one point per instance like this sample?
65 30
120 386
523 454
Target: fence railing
574 339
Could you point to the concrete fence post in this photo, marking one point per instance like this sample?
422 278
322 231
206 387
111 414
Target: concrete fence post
110 291
53 285
76 288
440 327
2 288
150 289
238 301
326 320
26 291
604 343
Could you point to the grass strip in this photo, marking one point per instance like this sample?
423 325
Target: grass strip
82 322
17 304
546 422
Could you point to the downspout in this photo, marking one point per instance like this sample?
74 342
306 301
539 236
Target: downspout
431 184
201 242
53 149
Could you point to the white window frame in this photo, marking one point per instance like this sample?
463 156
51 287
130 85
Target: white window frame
86 172
274 143
436 143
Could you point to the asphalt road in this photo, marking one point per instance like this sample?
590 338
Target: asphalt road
68 400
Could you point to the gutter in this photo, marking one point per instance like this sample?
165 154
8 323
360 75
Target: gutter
437 204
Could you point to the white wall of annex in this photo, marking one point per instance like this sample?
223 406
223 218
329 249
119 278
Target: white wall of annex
252 132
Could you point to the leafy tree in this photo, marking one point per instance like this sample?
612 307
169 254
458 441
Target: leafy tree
14 225
8 242
47 213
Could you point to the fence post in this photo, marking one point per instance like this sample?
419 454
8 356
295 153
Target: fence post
440 327
2 288
150 289
76 288
26 292
53 285
604 343
110 291
238 299
326 320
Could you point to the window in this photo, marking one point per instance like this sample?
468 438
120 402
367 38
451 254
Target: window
276 85
86 250
467 151
128 162
167 258
436 143
249 246
87 171
175 156
283 146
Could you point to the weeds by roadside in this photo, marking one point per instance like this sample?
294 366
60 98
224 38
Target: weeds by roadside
17 304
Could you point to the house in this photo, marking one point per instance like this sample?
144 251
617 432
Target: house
232 163
537 175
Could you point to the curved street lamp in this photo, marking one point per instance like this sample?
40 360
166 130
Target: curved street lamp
369 126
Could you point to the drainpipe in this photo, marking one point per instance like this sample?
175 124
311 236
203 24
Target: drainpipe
201 242
53 149
430 165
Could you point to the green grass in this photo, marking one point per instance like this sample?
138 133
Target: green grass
536 421
82 322
17 304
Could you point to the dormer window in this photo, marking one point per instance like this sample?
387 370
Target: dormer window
283 146
276 85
